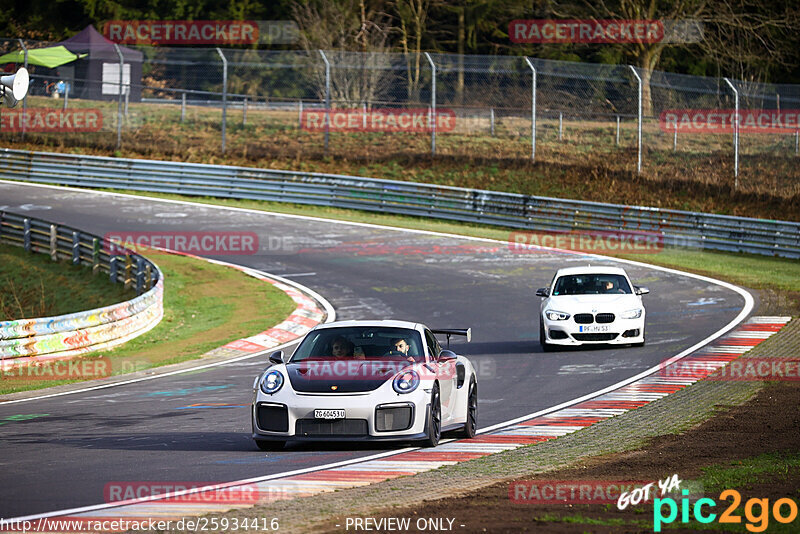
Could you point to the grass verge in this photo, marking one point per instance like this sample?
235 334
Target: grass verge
205 306
35 286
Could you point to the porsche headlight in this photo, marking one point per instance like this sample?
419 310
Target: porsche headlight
406 382
271 382
631 314
556 315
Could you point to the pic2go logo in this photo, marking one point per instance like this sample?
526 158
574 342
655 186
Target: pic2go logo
757 522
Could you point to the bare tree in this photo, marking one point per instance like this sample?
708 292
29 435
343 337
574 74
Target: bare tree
355 36
413 15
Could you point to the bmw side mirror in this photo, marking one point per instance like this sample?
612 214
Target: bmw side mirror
543 292
641 290
276 357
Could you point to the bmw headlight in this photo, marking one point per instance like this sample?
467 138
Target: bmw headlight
271 382
631 314
406 382
556 315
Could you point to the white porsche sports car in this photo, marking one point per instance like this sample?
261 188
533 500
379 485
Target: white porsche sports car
591 305
366 380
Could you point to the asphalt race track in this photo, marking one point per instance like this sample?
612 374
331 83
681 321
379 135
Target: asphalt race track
77 443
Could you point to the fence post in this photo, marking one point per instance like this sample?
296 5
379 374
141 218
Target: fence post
26 234
560 125
76 248
95 256
119 96
735 134
300 114
327 98
433 103
244 112
617 130
148 273
24 100
491 121
533 108
127 97
797 142
139 275
66 94
639 125
364 115
53 242
224 96
183 106
128 271
675 139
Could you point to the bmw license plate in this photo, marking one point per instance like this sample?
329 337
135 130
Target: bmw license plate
329 414
594 328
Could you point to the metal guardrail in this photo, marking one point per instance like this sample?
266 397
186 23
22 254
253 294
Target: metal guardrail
674 227
25 340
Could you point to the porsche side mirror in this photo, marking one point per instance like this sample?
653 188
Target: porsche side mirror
641 290
276 357
543 292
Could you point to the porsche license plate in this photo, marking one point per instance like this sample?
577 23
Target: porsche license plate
329 414
595 328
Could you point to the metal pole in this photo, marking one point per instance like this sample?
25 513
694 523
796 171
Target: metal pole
675 139
183 106
244 112
66 94
364 115
796 142
433 103
491 121
224 96
560 125
533 109
24 100
617 130
735 134
127 97
327 98
639 126
119 96
300 114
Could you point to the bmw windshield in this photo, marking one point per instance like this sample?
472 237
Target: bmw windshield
591 284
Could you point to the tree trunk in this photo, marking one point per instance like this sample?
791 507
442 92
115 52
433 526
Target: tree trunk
461 40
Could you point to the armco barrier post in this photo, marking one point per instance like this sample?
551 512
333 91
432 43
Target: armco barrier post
148 273
76 248
639 121
26 234
112 269
53 242
128 271
139 275
533 108
433 103
224 96
735 134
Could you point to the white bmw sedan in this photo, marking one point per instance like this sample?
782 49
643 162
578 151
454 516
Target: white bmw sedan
366 380
591 305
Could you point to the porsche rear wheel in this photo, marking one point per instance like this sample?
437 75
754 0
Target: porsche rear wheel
471 424
434 419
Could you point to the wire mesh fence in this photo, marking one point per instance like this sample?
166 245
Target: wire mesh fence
294 103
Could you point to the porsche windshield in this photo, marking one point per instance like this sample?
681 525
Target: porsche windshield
592 284
361 342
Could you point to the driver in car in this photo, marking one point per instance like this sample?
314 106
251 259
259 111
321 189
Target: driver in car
399 347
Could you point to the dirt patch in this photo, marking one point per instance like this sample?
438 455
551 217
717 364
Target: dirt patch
767 424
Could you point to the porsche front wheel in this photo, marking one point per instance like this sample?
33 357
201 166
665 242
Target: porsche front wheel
434 419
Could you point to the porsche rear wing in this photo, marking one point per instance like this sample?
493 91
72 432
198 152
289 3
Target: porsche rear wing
466 332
